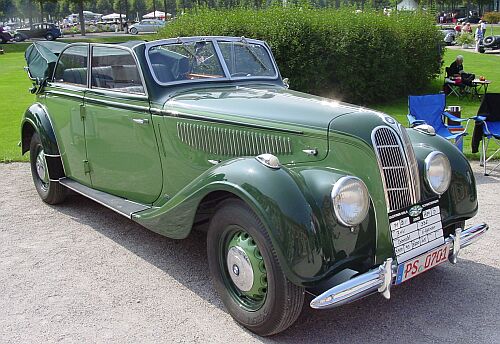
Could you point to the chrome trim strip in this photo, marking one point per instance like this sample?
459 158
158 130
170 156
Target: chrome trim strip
117 104
64 94
222 121
380 278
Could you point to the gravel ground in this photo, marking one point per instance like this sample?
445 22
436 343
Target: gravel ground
80 273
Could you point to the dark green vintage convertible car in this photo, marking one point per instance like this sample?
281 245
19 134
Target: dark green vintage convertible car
299 195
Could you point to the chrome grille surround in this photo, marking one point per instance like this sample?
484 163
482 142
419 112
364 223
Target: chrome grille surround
398 166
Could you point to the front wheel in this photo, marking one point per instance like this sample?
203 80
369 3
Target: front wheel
134 31
246 271
49 37
51 192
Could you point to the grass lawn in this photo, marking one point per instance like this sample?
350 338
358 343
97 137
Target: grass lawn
479 64
14 85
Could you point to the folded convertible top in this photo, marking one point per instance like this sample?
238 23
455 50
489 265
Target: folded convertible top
42 57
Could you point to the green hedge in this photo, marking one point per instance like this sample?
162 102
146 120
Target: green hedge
363 57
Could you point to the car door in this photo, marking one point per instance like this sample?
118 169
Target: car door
121 144
143 26
64 97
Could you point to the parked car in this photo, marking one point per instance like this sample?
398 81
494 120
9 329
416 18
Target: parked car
146 25
490 42
44 30
298 194
5 36
449 36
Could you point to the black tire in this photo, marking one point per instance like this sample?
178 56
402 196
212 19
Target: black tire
18 38
50 192
49 37
134 31
283 300
489 41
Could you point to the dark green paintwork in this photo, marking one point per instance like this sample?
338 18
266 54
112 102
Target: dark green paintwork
154 164
37 118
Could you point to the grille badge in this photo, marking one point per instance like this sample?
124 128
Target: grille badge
415 211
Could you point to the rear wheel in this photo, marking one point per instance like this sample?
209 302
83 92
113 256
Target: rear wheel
489 41
50 192
49 37
18 37
246 271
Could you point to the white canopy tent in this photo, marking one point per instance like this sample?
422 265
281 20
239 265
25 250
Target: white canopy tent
113 16
407 5
157 14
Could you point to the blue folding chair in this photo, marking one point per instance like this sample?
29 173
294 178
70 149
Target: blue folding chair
430 109
487 128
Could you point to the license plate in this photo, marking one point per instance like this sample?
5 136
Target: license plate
416 229
422 263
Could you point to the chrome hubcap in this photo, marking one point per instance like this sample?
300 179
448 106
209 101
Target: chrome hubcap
241 268
41 167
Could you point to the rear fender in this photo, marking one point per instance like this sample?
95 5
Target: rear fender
36 119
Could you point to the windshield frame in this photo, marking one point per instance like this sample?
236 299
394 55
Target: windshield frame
214 40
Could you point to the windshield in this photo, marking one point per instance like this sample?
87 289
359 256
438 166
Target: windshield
200 60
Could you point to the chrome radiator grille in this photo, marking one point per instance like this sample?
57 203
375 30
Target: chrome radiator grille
398 167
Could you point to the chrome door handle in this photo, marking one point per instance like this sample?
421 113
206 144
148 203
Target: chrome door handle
140 120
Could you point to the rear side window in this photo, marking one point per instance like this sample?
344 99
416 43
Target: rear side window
72 66
115 69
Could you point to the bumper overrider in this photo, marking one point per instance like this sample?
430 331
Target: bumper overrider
381 278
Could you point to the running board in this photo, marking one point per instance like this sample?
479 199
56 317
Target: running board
120 205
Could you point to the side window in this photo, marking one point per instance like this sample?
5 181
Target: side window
115 69
72 66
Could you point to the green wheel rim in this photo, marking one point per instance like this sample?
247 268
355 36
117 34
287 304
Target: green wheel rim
244 270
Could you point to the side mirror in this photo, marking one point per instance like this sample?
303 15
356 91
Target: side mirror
286 82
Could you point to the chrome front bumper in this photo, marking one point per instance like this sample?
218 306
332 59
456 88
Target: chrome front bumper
381 278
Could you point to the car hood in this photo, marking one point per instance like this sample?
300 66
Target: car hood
271 106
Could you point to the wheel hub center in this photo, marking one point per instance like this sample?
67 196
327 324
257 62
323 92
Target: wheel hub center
41 167
236 270
242 272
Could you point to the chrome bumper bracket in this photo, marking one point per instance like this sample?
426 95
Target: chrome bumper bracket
380 279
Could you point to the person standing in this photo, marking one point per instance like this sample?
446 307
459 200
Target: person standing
483 27
479 37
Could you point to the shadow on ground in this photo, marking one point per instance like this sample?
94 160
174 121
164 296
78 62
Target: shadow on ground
450 304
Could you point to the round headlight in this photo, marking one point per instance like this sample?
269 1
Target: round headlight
350 200
437 172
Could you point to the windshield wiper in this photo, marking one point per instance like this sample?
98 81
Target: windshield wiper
256 58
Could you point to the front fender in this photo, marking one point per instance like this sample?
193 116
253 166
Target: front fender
459 202
309 245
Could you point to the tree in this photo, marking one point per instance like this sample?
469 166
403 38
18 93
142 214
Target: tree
7 9
79 5
42 5
139 8
105 6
